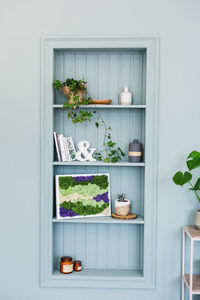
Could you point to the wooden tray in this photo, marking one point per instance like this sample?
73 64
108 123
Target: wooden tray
101 101
129 217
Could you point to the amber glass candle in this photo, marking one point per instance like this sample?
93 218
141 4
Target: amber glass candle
66 265
77 266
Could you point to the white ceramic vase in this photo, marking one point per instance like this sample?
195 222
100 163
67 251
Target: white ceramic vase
197 219
122 208
126 97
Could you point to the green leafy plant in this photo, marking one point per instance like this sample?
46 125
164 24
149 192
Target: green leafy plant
193 162
113 153
73 112
73 84
121 198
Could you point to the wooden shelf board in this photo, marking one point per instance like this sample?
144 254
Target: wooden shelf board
90 273
100 220
98 163
195 283
106 106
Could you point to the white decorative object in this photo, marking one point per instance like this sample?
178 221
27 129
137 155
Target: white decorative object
126 97
70 149
85 153
197 219
122 208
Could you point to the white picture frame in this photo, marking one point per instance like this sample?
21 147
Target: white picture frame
86 202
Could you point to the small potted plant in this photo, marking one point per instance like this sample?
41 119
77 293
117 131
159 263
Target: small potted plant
122 206
193 162
73 89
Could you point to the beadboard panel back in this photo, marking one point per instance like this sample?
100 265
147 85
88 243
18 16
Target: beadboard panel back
106 73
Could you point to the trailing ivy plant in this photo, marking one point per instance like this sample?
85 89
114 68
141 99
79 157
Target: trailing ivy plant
73 111
112 152
193 162
73 84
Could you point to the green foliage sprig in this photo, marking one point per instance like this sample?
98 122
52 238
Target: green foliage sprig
77 115
193 162
73 84
113 153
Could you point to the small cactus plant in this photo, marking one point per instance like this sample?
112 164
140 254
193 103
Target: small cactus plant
121 198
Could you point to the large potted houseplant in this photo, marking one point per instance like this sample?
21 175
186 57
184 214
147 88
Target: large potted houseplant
193 162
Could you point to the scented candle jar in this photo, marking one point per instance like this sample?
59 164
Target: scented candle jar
77 266
66 265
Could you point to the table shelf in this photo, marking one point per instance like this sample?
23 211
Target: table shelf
195 283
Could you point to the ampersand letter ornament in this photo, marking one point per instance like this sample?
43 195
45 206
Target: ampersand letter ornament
85 153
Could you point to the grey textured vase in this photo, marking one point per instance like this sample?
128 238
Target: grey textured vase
135 151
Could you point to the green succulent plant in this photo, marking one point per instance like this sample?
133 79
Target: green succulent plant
121 198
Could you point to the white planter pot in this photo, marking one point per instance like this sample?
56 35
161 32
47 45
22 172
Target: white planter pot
122 208
197 219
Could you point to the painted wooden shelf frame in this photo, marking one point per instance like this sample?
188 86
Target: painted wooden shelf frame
139 279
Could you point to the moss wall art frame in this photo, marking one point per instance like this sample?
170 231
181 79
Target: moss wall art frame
82 195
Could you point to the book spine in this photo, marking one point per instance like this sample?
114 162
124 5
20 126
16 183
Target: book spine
62 147
57 145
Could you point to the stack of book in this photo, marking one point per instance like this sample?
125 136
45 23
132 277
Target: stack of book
64 147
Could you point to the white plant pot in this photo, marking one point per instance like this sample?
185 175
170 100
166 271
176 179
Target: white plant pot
122 208
197 219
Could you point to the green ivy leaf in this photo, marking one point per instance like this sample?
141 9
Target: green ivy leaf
111 144
107 159
121 152
97 125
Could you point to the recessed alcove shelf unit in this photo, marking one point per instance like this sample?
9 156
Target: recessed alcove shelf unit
114 253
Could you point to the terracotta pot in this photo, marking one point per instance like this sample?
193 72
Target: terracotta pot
197 219
122 208
66 90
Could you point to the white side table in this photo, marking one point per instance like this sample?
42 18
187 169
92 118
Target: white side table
191 281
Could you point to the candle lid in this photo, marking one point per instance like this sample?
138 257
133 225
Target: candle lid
66 258
77 262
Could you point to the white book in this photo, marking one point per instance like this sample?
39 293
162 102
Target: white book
68 156
62 147
56 136
71 148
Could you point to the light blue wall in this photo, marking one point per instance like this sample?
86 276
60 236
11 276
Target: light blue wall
22 22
